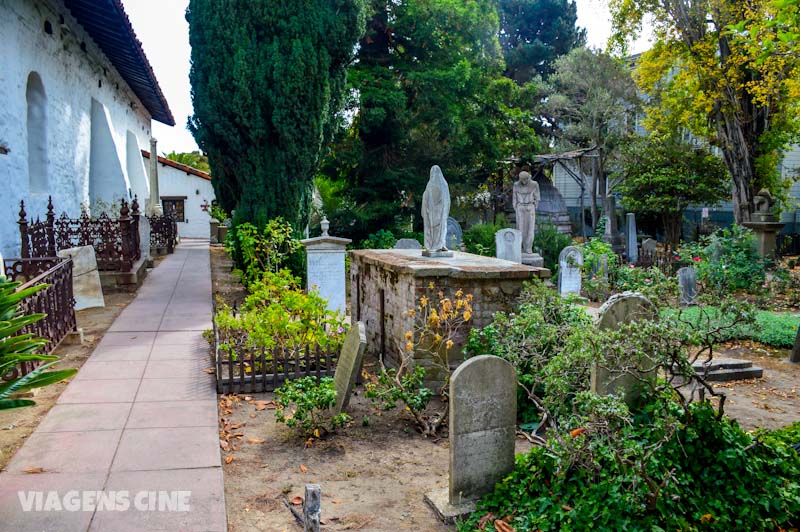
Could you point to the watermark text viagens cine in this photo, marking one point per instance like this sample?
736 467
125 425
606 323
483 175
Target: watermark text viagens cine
105 501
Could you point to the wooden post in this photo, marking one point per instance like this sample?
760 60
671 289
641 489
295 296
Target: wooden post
311 508
25 250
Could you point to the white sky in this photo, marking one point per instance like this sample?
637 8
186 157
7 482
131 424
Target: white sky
164 33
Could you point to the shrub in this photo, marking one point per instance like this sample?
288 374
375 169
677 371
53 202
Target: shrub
277 313
599 260
479 239
678 468
549 242
651 282
310 403
257 251
727 261
383 239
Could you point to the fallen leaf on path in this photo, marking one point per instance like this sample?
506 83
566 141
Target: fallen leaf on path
224 445
485 519
255 440
303 469
260 406
210 371
297 500
252 415
336 501
229 459
502 526
34 470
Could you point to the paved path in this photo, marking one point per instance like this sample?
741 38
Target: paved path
140 416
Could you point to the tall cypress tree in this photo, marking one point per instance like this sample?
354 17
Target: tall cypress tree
534 33
268 79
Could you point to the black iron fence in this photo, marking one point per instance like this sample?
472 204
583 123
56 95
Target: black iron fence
115 240
55 301
163 231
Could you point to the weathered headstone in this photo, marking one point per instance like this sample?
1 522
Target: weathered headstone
435 214
349 365
649 247
86 287
570 261
408 243
483 412
454 234
631 243
508 245
687 282
620 309
325 267
144 236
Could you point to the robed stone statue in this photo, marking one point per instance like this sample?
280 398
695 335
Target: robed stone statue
435 210
526 199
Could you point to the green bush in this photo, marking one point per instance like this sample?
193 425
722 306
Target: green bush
479 239
266 250
383 239
548 242
771 328
310 403
651 282
696 472
727 261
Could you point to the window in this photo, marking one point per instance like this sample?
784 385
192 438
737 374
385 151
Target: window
174 203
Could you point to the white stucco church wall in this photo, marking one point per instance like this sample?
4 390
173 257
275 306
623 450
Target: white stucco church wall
192 187
70 126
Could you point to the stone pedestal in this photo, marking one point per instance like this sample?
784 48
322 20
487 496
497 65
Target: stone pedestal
766 232
533 259
325 268
385 283
213 224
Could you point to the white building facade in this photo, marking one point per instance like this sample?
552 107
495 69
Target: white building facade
187 190
78 97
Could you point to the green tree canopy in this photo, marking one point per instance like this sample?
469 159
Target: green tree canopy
592 101
268 79
427 89
195 159
664 176
728 71
533 33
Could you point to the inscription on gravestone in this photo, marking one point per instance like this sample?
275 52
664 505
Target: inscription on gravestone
627 307
687 281
349 365
508 245
570 261
483 412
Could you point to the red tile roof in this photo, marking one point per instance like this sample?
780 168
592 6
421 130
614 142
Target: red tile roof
180 166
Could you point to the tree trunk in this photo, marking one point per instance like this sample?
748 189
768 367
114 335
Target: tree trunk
672 229
595 218
740 162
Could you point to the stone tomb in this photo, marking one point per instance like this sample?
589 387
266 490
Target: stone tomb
620 309
482 424
349 365
325 268
570 261
508 245
86 286
386 283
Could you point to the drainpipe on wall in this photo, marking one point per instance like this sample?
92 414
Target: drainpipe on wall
154 204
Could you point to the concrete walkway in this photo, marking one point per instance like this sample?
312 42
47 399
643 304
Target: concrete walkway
138 422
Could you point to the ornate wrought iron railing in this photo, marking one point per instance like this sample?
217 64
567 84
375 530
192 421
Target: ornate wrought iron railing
115 240
163 231
55 301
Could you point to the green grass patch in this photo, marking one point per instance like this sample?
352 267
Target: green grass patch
775 329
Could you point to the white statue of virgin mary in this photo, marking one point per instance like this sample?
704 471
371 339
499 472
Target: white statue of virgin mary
435 210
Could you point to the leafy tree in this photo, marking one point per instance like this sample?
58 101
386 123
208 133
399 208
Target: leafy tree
533 33
268 79
195 159
427 89
591 101
728 71
664 176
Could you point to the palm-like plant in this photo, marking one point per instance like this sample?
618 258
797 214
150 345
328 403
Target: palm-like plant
16 348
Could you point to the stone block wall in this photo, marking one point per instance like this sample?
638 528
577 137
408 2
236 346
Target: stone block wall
385 284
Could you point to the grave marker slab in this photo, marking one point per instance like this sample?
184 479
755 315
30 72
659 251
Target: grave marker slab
86 286
570 261
508 245
454 234
325 267
483 412
627 307
687 281
649 247
631 244
349 365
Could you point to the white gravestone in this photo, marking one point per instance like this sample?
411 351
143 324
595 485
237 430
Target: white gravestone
631 244
570 262
348 366
86 287
627 307
325 267
482 424
508 245
435 212
649 247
